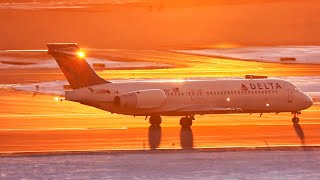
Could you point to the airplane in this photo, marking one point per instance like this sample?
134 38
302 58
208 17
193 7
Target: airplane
184 98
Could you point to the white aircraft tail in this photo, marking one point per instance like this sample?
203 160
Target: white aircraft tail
73 65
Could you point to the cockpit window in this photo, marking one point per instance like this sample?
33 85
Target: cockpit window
294 86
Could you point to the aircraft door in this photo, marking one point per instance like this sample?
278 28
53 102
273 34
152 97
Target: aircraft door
197 95
290 96
193 95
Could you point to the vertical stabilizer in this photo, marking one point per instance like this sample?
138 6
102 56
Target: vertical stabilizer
73 65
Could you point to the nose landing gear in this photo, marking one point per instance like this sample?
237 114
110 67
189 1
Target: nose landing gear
295 119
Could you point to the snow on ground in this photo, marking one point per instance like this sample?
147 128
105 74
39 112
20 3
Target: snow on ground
29 63
308 84
270 164
305 83
57 4
303 54
50 87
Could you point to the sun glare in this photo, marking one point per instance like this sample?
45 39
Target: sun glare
81 54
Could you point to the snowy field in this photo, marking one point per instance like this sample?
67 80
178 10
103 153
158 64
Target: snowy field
29 63
229 165
57 4
303 54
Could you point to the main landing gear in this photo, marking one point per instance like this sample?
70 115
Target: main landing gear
186 122
295 119
155 120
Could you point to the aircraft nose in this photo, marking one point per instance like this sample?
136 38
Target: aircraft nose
308 101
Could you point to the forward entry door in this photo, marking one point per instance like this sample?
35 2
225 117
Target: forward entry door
290 96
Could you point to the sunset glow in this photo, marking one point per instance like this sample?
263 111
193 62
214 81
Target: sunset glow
159 89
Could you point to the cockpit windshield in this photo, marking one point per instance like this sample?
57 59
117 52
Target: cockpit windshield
295 87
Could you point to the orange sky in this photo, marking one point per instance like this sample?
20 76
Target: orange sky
271 23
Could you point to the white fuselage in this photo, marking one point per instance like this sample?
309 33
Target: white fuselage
192 97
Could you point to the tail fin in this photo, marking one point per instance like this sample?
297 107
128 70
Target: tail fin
74 67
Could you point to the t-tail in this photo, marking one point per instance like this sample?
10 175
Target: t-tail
73 65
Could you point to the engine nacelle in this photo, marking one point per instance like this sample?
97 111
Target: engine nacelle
144 99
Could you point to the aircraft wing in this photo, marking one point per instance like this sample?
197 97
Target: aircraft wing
204 108
208 108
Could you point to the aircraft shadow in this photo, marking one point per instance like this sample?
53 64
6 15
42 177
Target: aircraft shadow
154 135
186 138
299 131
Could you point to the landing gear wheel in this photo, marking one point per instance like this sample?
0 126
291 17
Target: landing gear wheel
295 120
155 120
186 122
